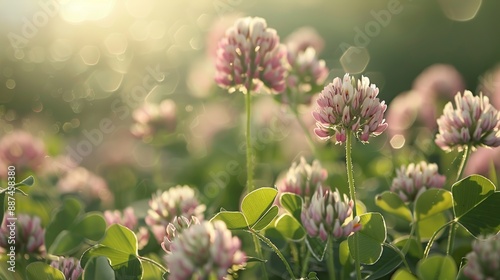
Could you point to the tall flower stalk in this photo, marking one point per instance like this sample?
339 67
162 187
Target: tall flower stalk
249 58
346 109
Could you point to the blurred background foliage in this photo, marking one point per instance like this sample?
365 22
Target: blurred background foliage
65 66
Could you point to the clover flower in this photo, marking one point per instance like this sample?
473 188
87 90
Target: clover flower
152 118
329 214
127 218
303 38
84 182
307 72
176 227
344 106
70 267
414 179
203 250
474 122
165 206
22 150
484 260
30 236
302 178
250 56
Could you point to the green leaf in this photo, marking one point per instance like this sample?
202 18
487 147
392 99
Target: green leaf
344 254
292 203
92 226
403 274
62 220
317 247
98 268
388 261
120 247
65 242
256 203
475 199
430 211
437 268
29 182
89 226
233 219
290 228
414 248
151 272
43 271
267 218
392 203
371 237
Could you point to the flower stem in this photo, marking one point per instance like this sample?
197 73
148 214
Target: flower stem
453 226
258 250
276 250
330 262
305 264
352 193
153 262
433 237
248 103
465 157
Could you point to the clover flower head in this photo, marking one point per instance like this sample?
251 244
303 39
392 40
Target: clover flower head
302 178
473 122
205 249
152 118
484 260
22 150
414 179
84 182
70 267
307 72
30 235
303 38
344 106
329 214
165 206
250 56
126 218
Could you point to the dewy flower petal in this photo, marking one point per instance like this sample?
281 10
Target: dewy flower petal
250 55
344 106
473 122
70 267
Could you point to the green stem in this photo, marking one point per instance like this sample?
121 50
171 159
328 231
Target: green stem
465 157
433 237
453 227
305 264
276 250
400 253
352 193
330 262
258 250
248 101
153 262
